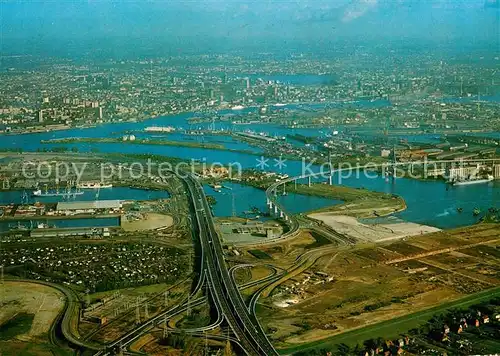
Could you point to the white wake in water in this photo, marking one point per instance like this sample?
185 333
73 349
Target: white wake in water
445 213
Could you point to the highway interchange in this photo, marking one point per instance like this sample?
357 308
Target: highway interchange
221 289
224 293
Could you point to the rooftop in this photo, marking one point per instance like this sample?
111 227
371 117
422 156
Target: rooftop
83 205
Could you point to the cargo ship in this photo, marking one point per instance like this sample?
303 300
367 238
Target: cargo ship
473 181
166 129
94 185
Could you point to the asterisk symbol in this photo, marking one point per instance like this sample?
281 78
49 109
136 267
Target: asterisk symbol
262 162
280 162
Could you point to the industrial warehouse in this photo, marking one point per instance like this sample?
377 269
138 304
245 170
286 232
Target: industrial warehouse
89 207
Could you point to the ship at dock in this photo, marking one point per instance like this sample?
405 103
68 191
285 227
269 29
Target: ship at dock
166 129
470 181
68 192
94 185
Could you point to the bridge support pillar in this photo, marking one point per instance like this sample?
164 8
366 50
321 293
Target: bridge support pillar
330 179
275 210
281 214
308 181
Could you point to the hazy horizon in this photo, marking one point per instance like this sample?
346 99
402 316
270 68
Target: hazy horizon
45 27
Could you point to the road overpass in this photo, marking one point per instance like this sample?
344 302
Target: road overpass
224 291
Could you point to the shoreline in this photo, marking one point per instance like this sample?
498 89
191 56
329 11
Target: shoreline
60 217
167 114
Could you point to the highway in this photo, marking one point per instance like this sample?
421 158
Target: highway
224 292
223 289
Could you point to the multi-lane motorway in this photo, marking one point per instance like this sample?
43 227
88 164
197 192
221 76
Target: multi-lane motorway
224 292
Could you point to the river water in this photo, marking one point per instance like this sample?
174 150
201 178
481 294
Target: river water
121 193
60 223
431 203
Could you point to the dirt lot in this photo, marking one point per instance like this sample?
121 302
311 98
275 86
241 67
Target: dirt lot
285 253
356 287
151 221
43 302
350 226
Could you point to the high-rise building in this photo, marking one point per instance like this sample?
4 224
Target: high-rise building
100 112
40 116
247 80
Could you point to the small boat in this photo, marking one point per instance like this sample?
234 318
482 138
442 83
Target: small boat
42 226
476 211
460 210
18 227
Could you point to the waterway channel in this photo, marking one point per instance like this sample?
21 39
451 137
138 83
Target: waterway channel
430 203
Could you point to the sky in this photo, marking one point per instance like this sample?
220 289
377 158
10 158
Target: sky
188 22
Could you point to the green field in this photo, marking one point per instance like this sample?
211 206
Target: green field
261 255
356 201
20 324
395 327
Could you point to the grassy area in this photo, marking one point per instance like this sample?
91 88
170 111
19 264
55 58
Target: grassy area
358 202
23 348
261 255
395 327
340 192
133 291
18 325
320 240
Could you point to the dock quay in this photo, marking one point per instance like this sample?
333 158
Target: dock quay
90 232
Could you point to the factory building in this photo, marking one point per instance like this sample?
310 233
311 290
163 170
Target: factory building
496 171
71 232
82 207
462 172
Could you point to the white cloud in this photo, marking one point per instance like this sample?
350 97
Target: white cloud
357 9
